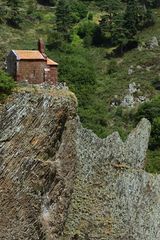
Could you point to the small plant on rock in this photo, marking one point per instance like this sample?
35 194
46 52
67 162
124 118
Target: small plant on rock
6 84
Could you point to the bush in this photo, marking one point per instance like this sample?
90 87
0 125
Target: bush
153 161
6 84
78 10
86 30
55 40
90 16
77 70
155 136
112 67
151 111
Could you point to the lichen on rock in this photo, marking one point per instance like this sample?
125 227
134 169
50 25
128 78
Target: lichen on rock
60 181
113 197
37 164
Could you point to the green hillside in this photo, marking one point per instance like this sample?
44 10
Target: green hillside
97 59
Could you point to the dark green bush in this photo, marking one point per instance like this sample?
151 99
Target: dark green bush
78 10
153 161
6 84
86 30
55 40
112 67
151 111
155 136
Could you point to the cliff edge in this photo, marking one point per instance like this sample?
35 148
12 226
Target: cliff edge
60 181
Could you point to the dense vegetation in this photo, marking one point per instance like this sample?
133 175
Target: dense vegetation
6 85
96 43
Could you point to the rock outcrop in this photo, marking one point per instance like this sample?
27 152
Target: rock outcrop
60 181
38 156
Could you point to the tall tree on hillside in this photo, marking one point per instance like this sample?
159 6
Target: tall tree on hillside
120 25
3 11
112 17
137 16
63 18
16 9
67 14
131 18
112 8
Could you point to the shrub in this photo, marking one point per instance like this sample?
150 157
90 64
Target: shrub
6 84
78 10
112 67
55 40
151 111
90 16
153 161
155 136
86 30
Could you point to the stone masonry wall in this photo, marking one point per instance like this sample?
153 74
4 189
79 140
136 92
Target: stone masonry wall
31 70
53 74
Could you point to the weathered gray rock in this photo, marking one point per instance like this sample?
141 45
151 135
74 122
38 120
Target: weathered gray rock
37 162
60 181
153 43
128 101
131 70
131 99
114 198
132 88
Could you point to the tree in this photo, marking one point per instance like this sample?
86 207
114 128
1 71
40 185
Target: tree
131 18
111 24
119 26
3 11
67 14
137 16
112 9
86 30
47 2
63 18
16 12
78 10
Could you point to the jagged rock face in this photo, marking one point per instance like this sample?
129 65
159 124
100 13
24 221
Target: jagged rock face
60 181
114 198
37 163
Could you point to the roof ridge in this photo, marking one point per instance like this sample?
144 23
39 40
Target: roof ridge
29 54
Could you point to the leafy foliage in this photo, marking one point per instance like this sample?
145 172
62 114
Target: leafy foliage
151 111
86 30
120 25
67 14
6 84
78 71
15 12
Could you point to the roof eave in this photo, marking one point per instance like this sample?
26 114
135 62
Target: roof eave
15 54
56 64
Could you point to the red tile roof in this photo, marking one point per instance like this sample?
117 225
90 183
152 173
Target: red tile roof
28 55
51 62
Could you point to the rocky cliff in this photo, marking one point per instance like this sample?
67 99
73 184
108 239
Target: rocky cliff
60 181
